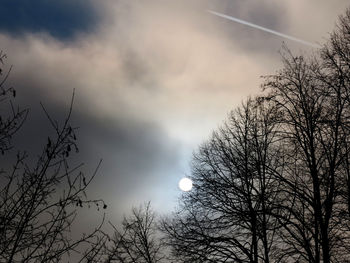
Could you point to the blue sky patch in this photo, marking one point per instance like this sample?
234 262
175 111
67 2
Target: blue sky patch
61 19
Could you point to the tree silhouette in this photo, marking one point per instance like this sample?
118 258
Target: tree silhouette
138 241
312 96
38 201
10 123
227 217
273 184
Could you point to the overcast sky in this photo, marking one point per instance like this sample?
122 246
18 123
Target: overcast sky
153 78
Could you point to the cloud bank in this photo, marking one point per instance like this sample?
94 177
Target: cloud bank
152 79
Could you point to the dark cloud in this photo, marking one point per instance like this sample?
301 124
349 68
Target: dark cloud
61 19
139 159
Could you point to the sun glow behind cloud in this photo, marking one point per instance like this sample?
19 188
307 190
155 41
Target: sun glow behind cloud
154 79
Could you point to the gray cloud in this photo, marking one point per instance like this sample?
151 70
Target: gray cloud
152 82
139 158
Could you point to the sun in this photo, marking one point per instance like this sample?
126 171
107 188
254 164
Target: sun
185 184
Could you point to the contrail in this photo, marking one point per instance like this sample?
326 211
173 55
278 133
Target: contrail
264 29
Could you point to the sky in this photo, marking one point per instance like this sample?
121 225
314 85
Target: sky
152 78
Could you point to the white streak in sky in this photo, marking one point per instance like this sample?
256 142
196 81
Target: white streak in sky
264 29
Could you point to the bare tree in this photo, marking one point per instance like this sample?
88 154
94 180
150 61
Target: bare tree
10 120
275 187
39 201
313 96
227 215
336 74
138 241
314 113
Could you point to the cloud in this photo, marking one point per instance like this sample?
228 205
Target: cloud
152 81
321 17
243 22
138 157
